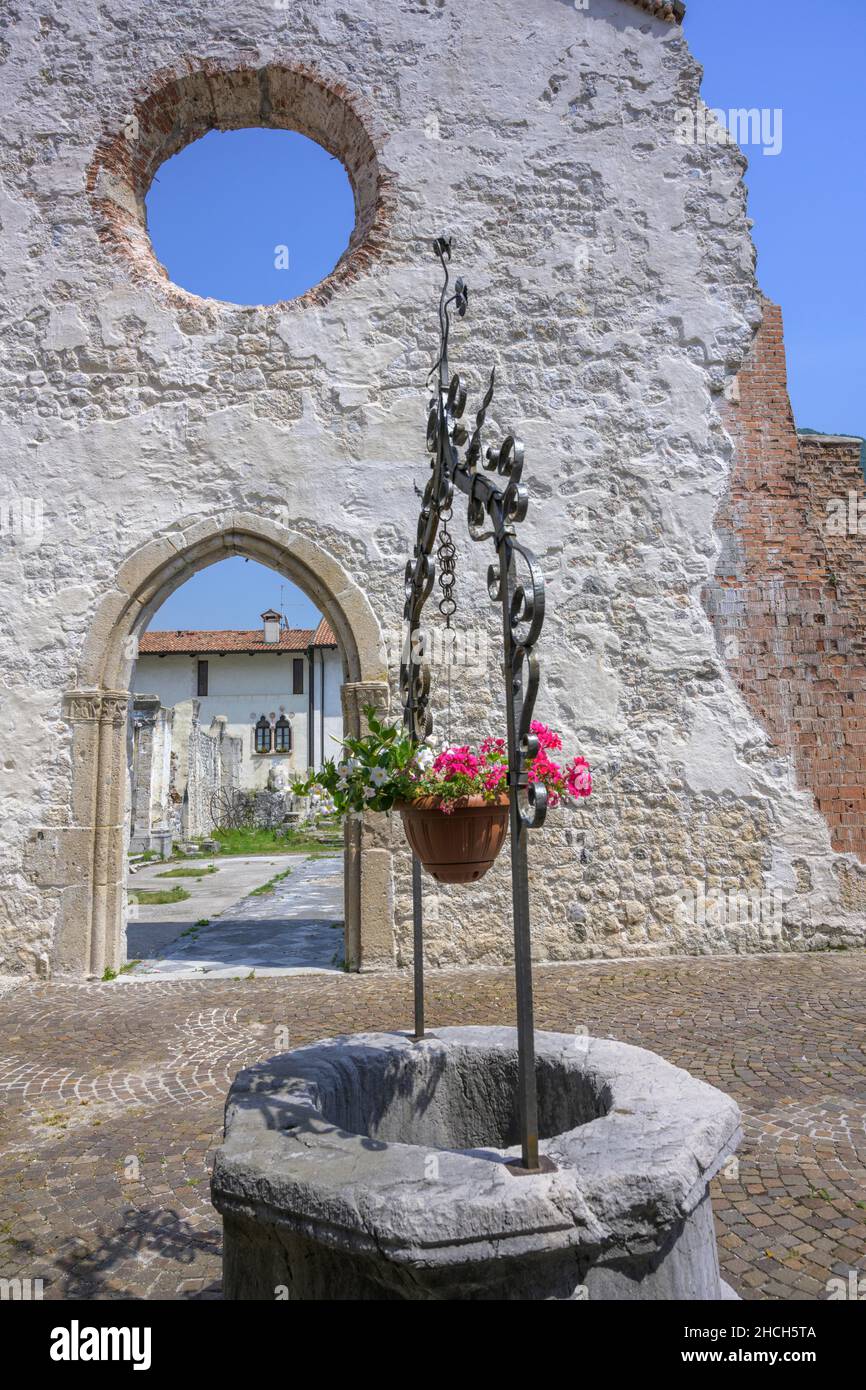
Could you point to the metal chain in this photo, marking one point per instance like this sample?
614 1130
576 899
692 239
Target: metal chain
446 565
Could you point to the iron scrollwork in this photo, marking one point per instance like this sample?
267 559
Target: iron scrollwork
494 509
497 501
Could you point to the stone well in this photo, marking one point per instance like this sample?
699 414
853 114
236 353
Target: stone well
374 1167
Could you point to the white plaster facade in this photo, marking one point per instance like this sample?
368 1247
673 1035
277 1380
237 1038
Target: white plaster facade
244 688
612 280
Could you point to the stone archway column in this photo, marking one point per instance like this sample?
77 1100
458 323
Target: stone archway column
369 884
91 868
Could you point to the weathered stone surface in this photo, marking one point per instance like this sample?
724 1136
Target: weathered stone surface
372 1166
162 431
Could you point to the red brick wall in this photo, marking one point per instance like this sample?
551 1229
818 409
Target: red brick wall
789 599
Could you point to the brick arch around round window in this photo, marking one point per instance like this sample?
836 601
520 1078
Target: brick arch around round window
182 103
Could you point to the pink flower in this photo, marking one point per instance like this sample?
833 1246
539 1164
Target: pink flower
578 778
486 771
495 776
456 762
493 749
543 769
547 738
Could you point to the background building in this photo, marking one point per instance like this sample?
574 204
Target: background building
214 710
278 689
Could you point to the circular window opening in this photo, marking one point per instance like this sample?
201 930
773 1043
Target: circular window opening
250 216
257 185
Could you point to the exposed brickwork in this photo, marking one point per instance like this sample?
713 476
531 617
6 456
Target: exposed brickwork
787 604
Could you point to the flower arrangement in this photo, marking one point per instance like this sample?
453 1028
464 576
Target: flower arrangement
384 767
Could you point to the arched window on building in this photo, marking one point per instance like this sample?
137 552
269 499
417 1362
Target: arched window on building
263 736
282 735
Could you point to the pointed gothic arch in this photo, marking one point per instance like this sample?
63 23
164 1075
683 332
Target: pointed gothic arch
90 856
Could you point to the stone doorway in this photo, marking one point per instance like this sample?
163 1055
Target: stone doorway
87 860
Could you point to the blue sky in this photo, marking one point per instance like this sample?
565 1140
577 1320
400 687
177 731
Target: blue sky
234 593
221 207
808 202
228 211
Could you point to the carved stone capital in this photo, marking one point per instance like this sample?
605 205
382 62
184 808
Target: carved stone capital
82 706
95 706
115 705
356 695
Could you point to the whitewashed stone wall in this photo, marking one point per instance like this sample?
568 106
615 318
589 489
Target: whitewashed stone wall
612 281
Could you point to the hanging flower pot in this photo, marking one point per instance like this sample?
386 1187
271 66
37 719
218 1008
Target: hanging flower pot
454 803
458 845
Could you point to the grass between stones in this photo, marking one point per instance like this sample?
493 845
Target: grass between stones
270 885
110 974
156 897
190 873
325 841
269 842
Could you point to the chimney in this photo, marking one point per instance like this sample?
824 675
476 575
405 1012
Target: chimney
271 621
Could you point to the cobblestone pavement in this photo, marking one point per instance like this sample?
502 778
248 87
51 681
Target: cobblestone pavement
294 927
112 1104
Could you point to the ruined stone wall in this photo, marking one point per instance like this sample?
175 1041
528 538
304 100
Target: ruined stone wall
612 282
150 769
788 597
204 780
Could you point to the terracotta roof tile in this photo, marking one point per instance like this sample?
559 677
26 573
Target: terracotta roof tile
324 635
199 643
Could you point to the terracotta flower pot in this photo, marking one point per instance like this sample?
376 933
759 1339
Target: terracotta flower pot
461 846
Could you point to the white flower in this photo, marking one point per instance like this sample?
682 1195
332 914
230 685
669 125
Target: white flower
369 793
343 770
353 765
379 776
425 757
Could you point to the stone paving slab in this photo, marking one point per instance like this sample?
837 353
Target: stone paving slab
111 1103
296 927
210 894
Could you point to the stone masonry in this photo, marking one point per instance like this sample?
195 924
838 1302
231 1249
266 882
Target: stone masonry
150 433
